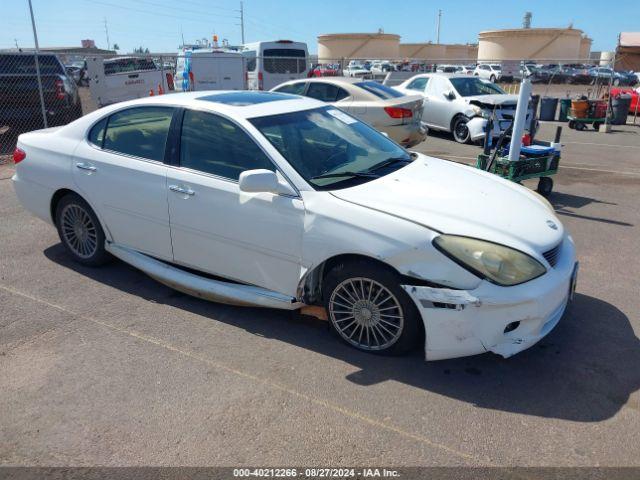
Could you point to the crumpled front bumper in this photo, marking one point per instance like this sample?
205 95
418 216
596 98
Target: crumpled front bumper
502 320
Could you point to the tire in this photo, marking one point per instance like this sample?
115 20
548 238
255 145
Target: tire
545 186
492 79
459 129
596 125
572 124
80 231
369 310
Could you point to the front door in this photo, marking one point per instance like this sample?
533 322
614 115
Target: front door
120 171
253 238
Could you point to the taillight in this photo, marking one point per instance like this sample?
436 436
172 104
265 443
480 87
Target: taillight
19 155
60 93
260 81
397 112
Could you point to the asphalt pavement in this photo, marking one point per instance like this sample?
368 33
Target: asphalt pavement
108 367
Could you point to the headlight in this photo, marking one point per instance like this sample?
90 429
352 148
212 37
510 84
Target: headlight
497 263
481 112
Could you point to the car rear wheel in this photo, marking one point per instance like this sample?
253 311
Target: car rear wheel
369 310
460 130
80 231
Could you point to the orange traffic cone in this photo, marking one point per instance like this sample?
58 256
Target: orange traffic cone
160 90
151 92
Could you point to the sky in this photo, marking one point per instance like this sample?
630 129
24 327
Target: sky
160 24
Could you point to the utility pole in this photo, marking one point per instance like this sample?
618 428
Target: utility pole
438 26
35 41
15 40
106 31
242 21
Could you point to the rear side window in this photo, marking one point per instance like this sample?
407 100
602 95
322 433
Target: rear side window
125 65
215 145
379 90
418 84
141 132
294 88
96 135
326 92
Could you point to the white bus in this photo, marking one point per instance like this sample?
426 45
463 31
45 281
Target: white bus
209 69
270 63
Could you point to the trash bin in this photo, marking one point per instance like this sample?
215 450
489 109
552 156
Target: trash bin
548 107
565 106
620 109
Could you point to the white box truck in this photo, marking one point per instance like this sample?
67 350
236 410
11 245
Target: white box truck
209 69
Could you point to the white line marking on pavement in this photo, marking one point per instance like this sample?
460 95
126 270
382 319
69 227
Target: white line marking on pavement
602 144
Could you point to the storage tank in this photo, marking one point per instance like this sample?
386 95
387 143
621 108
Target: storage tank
530 44
422 51
585 47
336 46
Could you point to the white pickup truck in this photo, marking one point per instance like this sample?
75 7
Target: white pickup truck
118 79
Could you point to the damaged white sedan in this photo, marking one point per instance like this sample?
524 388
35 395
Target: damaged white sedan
279 201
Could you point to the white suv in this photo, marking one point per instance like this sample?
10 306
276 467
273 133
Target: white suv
491 72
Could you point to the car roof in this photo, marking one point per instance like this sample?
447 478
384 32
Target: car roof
336 80
234 103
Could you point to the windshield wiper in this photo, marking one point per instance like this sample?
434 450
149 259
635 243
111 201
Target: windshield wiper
346 174
390 161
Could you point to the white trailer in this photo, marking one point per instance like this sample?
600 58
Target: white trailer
209 69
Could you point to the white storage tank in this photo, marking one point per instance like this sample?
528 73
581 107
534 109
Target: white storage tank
530 44
423 51
336 46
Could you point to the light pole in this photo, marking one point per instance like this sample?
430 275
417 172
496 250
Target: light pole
35 39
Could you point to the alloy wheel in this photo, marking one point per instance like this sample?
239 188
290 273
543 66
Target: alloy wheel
366 314
78 230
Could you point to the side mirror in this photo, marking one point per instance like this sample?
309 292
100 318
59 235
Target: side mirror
449 95
261 180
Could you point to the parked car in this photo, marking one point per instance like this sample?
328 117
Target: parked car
20 106
357 70
549 73
576 74
491 72
209 69
461 104
382 107
325 70
382 66
605 75
466 69
448 68
273 200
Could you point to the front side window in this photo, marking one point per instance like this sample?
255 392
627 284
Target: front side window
141 132
293 88
330 148
250 59
215 145
419 84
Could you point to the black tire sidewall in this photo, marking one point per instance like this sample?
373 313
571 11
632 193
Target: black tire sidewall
455 122
412 330
100 256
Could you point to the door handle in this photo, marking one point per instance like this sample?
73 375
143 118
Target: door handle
178 189
86 166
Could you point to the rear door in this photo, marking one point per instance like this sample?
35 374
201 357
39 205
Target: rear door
119 169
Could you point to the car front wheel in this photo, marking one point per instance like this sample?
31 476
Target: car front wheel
460 130
80 231
369 310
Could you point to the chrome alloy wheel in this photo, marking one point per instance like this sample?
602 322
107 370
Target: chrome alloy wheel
78 230
366 314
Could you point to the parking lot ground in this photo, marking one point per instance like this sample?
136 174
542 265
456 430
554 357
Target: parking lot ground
107 367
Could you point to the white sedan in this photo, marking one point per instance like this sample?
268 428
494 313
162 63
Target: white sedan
273 200
396 114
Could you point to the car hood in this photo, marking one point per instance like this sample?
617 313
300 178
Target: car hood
496 99
456 199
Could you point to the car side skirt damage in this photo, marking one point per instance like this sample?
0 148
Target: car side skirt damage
200 286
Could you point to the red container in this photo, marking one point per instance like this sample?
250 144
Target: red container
600 109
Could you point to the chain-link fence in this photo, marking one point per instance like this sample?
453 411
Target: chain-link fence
41 91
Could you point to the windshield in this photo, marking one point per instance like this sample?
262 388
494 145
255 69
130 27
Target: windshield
470 87
327 142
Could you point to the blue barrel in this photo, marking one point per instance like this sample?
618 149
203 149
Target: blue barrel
548 106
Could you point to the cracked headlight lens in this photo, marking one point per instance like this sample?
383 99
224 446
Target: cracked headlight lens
497 263
481 112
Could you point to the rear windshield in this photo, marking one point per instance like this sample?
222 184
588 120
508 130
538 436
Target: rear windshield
379 90
126 65
284 60
26 64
